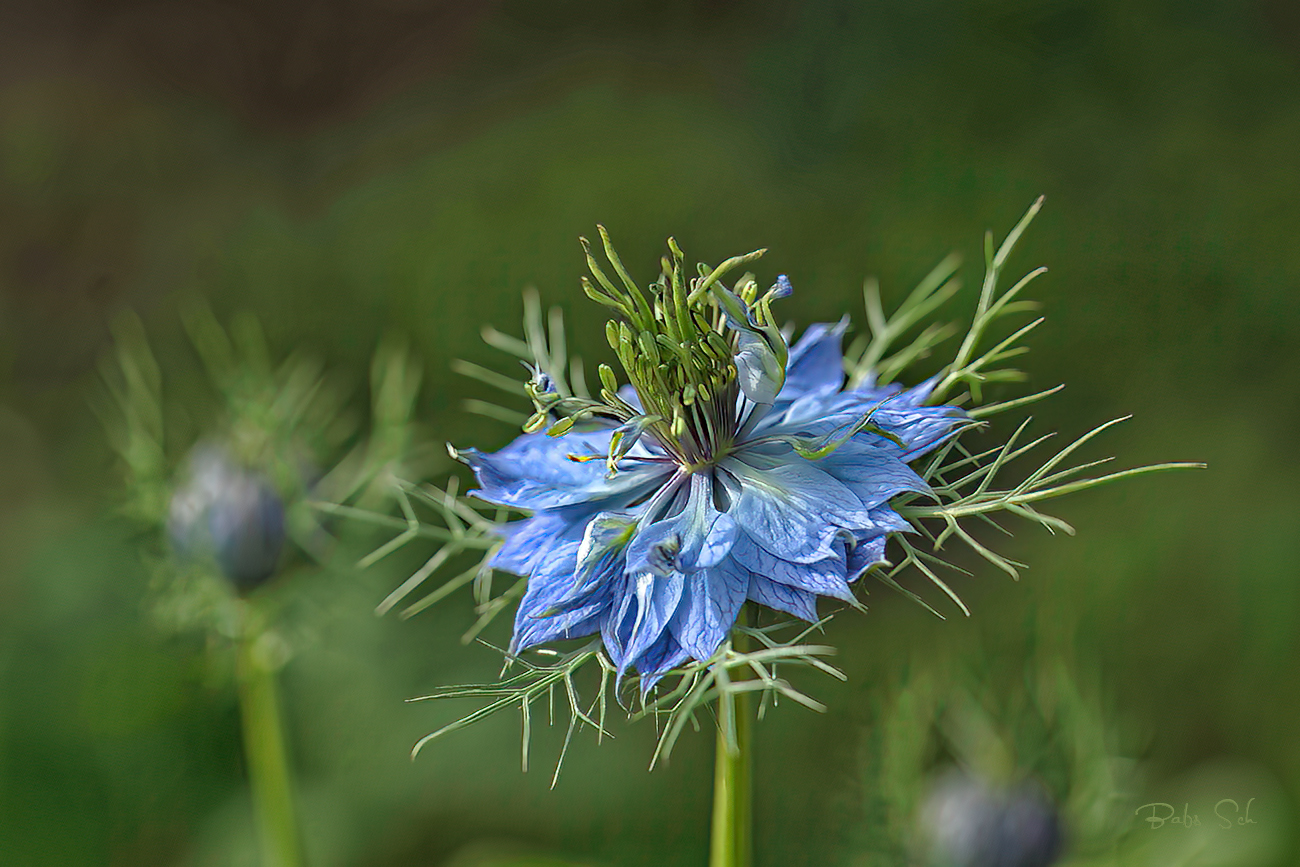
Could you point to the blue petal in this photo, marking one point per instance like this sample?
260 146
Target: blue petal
863 555
825 577
600 556
782 597
710 602
919 428
658 660
867 547
718 542
885 520
657 600
528 541
615 627
816 362
912 397
791 507
758 369
871 472
534 472
697 536
535 622
629 395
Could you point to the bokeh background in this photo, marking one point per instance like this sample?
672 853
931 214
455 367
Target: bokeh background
345 170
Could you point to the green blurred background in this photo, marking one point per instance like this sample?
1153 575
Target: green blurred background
345 170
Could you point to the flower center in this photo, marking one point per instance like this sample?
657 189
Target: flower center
687 381
690 347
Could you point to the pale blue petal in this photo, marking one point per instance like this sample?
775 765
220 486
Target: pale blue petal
825 577
528 541
656 601
534 472
782 597
758 369
863 555
616 628
533 631
919 428
790 506
629 395
761 353
600 557
535 621
710 602
871 472
616 625
696 536
885 520
718 542
666 654
816 364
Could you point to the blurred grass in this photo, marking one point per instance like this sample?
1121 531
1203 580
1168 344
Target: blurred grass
850 139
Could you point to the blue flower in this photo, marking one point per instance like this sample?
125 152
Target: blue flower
771 483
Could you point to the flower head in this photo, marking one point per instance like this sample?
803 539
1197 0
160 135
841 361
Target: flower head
230 514
969 823
734 467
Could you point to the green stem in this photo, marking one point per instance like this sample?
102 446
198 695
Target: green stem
264 750
731 844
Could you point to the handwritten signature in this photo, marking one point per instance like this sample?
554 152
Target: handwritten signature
1228 814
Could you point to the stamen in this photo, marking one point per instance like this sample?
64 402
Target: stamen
679 352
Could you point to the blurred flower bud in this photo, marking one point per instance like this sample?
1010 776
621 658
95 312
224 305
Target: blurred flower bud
230 514
968 823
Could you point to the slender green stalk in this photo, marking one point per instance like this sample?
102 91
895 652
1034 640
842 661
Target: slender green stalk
264 750
731 843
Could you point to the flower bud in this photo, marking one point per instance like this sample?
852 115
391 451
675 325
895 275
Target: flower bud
970 824
230 514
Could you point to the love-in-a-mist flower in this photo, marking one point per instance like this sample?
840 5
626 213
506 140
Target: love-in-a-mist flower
735 467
